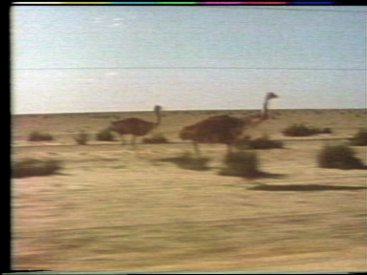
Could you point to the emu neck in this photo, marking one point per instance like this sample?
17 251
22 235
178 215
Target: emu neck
158 121
264 112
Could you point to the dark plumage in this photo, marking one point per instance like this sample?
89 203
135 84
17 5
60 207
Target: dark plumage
222 129
217 129
135 126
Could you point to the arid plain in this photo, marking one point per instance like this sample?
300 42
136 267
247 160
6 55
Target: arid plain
116 208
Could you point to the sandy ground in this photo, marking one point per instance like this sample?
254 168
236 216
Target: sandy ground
115 208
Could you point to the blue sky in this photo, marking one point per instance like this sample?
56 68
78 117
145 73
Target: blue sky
129 58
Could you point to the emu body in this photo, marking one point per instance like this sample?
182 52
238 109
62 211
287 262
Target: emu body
135 126
222 129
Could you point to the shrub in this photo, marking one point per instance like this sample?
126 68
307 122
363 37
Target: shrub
82 138
187 161
105 135
298 130
243 143
360 138
38 136
35 167
326 130
259 143
242 164
156 139
338 156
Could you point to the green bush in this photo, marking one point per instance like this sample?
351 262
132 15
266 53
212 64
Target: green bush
82 138
156 139
263 142
39 136
34 167
105 135
299 130
360 138
338 156
241 164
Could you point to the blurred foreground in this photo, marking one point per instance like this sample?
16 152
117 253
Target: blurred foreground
115 208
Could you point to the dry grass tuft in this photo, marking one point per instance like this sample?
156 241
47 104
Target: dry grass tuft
105 135
263 142
301 130
340 157
39 136
35 167
156 139
241 164
82 138
190 162
360 138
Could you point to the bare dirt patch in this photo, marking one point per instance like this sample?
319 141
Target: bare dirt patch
115 208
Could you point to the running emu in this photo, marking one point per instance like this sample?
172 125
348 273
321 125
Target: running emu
135 126
223 129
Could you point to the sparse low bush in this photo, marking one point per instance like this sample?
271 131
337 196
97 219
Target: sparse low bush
360 138
326 130
338 156
34 167
241 164
299 130
156 139
39 136
187 161
105 135
82 138
263 142
243 143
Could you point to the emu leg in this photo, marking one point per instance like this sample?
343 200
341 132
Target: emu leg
133 141
229 149
123 140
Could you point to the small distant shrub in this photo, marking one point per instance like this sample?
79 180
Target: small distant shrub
156 139
105 135
263 142
360 138
35 167
241 164
82 138
338 156
39 136
298 130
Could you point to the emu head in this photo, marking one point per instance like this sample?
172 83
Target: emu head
271 96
